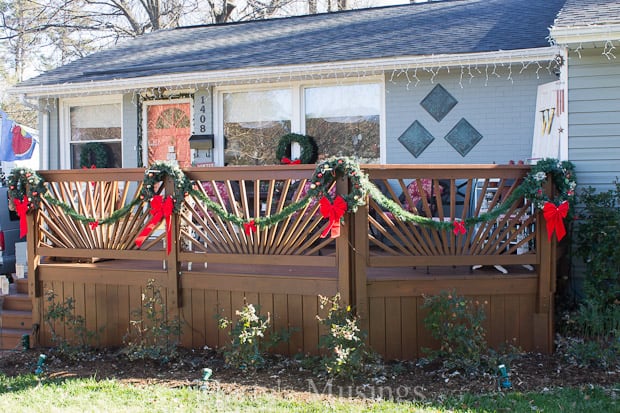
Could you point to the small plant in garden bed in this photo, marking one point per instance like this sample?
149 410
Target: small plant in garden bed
152 335
80 338
346 353
457 323
250 338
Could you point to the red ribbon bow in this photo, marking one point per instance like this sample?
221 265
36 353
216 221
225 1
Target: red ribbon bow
160 208
459 228
555 218
93 224
249 227
287 161
333 211
21 207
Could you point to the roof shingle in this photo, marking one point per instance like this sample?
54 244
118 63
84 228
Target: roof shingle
447 27
588 12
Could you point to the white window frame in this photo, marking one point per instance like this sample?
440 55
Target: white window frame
145 105
298 124
65 123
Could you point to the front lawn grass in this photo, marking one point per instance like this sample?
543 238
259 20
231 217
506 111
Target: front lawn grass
28 394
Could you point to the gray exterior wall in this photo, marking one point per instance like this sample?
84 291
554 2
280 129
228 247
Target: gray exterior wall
594 118
503 111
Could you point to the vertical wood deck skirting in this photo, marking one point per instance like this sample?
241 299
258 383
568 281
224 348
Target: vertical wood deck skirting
383 280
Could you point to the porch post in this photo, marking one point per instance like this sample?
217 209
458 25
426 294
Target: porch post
343 250
34 287
543 317
172 260
360 264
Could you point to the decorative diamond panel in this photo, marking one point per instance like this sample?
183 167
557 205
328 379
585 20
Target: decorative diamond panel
463 137
416 138
438 103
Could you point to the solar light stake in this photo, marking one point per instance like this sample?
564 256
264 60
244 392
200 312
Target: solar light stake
40 363
206 374
504 381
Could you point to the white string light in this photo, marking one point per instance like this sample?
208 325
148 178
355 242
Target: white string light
607 50
400 73
486 73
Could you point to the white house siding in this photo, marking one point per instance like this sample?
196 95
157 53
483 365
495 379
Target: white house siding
130 131
54 132
503 111
594 118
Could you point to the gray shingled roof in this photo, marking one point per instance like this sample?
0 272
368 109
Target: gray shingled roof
448 27
588 12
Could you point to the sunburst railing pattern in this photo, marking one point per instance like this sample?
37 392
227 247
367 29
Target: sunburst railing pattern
204 231
98 197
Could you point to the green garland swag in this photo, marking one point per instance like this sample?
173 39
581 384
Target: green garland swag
25 182
94 153
309 150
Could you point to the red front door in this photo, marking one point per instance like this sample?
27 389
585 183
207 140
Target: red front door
168 132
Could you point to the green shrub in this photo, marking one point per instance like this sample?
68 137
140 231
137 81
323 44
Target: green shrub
152 335
346 353
456 323
249 342
591 332
598 237
82 339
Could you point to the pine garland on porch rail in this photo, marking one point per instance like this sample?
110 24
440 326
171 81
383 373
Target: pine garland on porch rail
26 186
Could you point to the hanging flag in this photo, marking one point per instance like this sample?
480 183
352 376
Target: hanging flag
15 143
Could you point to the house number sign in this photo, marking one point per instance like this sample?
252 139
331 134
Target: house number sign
202 112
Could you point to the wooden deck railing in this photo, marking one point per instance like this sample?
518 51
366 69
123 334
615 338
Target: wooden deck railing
373 242
244 192
448 193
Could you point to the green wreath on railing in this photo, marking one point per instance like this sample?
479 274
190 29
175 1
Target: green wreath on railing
158 172
309 150
26 183
93 154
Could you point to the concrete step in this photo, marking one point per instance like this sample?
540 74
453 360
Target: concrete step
16 319
19 302
11 338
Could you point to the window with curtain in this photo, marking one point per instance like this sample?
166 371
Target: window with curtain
96 135
254 122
